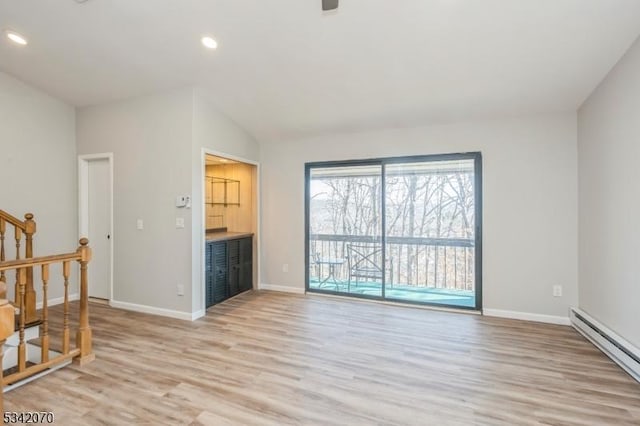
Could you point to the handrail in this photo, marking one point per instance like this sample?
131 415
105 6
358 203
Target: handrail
37 261
22 224
423 241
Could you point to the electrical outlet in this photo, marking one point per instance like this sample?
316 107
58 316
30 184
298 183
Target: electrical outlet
139 225
179 222
557 291
180 290
285 267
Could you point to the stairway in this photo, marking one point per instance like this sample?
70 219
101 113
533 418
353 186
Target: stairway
33 355
25 337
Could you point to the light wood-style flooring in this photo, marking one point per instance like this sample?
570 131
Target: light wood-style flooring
271 359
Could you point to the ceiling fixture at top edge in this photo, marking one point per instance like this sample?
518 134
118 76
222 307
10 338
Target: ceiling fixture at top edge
329 4
16 38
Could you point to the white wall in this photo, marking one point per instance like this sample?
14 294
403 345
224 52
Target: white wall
215 132
157 143
530 202
150 138
38 168
609 194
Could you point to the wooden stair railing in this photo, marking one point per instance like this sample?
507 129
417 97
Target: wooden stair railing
26 227
82 353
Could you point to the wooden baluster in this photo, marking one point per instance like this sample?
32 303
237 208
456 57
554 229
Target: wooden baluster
83 336
45 315
22 346
18 237
29 230
66 269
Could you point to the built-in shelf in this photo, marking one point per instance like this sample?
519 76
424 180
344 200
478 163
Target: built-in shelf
222 191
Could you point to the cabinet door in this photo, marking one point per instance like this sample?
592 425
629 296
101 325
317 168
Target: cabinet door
220 272
208 276
234 267
246 267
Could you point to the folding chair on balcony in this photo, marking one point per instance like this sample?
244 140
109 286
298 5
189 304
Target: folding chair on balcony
365 262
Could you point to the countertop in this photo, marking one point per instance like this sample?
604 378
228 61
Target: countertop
222 236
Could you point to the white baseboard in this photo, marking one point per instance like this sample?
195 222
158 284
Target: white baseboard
620 350
58 300
145 309
281 288
549 319
198 314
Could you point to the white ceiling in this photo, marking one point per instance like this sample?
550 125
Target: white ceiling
284 69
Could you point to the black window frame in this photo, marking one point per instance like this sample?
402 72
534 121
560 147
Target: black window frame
478 209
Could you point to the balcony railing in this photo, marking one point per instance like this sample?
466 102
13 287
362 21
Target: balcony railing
443 263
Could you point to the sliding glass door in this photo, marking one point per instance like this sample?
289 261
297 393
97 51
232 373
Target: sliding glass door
345 229
403 229
430 231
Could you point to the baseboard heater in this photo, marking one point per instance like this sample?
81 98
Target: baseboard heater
619 350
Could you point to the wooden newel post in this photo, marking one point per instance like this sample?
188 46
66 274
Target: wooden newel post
83 336
30 295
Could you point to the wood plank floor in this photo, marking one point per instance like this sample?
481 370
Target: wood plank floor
270 359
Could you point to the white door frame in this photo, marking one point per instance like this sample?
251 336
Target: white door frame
203 211
83 204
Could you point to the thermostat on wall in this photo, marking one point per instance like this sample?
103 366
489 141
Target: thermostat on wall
183 201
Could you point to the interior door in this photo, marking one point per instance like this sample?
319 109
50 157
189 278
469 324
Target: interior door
99 227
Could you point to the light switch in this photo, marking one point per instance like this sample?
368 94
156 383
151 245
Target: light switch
139 225
179 222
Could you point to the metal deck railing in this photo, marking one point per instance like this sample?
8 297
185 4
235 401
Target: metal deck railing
446 263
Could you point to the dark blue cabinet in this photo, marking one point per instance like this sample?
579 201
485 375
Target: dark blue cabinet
229 268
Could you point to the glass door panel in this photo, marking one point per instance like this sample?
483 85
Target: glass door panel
403 229
345 229
430 236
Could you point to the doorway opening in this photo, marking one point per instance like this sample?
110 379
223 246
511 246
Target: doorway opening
230 225
95 178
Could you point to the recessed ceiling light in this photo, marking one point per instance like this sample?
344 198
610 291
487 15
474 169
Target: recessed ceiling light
209 42
16 38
